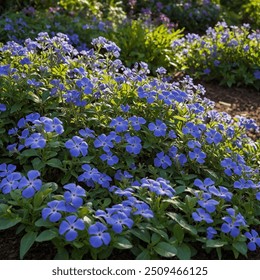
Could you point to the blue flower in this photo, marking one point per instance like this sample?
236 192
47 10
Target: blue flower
99 236
182 159
30 185
5 169
232 223
69 226
104 180
191 128
53 125
161 71
25 60
90 173
158 128
244 184
230 226
35 141
110 158
257 74
11 182
87 133
222 192
197 155
230 167
125 108
208 204
4 70
213 136
136 122
144 210
2 107
203 185
134 144
74 195
86 84
118 221
211 232
51 211
77 146
103 141
162 160
120 124
202 215
254 240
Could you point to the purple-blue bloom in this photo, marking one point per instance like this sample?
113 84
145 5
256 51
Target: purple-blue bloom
120 124
134 144
158 128
6 169
162 160
103 141
144 210
10 182
202 215
98 235
2 107
109 158
77 146
74 194
211 232
52 211
118 220
87 133
213 136
203 185
254 240
31 184
136 122
53 125
197 155
35 141
69 227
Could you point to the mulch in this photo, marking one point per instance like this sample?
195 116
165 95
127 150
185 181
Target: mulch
235 101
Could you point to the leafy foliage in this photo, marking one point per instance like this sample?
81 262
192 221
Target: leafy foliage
97 157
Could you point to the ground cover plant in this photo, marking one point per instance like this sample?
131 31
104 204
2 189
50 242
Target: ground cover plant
228 54
98 157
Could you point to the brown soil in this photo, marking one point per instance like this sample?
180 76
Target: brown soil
235 101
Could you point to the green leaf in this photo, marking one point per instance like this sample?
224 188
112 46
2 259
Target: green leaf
46 235
56 163
29 153
122 243
6 223
141 234
178 218
178 233
16 107
38 164
240 247
27 242
215 243
145 255
43 223
183 252
165 250
62 254
155 238
162 233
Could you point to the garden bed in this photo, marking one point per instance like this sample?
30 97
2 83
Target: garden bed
231 100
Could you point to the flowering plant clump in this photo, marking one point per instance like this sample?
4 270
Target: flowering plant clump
229 55
98 157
